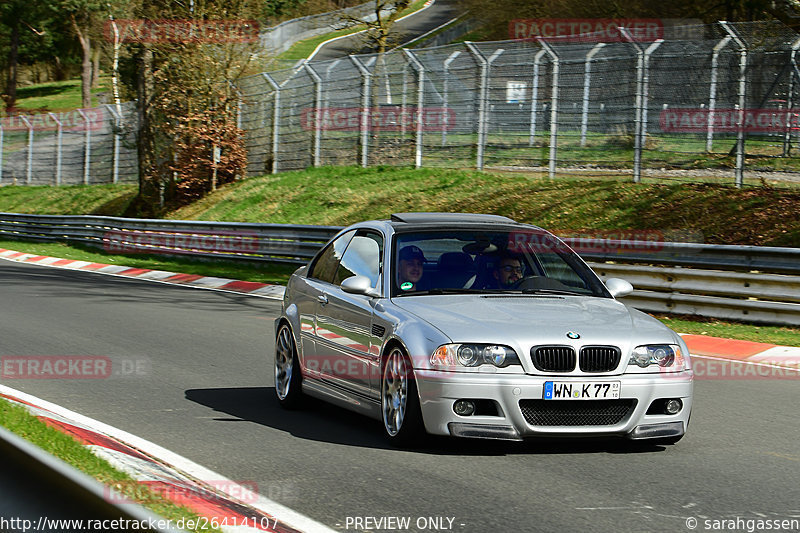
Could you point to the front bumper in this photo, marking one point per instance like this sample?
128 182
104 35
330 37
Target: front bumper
440 390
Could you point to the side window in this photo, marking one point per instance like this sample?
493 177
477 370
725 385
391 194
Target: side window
326 263
362 258
556 267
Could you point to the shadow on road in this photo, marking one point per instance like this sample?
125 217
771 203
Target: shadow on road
319 421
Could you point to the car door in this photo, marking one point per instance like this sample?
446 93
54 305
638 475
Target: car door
345 341
312 294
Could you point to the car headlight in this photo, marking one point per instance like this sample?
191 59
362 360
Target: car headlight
472 355
668 357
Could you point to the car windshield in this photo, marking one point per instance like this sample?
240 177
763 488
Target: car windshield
463 261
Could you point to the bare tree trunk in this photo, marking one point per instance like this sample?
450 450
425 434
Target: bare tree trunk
95 67
13 60
147 201
86 64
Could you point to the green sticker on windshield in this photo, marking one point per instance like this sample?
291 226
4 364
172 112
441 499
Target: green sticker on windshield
406 286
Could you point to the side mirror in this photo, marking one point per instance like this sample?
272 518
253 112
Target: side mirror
359 285
618 287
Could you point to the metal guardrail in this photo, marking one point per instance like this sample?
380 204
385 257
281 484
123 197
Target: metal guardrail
281 243
51 494
752 283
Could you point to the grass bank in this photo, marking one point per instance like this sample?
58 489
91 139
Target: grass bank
343 195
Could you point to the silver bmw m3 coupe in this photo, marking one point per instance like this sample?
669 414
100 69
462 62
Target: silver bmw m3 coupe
476 326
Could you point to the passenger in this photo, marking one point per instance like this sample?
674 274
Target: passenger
508 271
412 262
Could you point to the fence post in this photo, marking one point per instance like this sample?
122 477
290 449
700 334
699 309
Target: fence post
317 112
587 77
117 126
537 59
29 163
645 95
366 77
59 153
712 96
87 151
446 78
415 63
742 106
484 96
404 103
2 134
553 107
787 139
640 111
276 117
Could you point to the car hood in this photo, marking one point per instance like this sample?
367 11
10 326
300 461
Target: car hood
536 319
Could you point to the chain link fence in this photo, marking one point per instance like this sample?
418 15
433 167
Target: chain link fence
715 102
85 146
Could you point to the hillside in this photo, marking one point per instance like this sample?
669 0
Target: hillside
342 195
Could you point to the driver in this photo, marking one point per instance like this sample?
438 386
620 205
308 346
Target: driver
508 271
411 264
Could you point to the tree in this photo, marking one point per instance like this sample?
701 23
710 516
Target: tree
187 103
85 19
24 22
379 30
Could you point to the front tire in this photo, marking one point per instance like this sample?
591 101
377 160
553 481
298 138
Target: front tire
400 409
287 369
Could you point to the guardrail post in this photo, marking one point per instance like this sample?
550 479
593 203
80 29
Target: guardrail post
415 63
787 138
537 59
712 96
59 154
317 112
87 152
742 106
366 77
446 78
553 107
587 77
117 127
483 120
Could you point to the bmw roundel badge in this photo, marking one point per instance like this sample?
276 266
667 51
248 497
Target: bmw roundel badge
573 335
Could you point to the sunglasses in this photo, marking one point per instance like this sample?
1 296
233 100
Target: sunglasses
509 269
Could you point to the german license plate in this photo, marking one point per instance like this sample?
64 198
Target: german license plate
581 390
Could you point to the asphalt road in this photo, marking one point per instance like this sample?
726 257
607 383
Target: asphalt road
440 12
204 390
